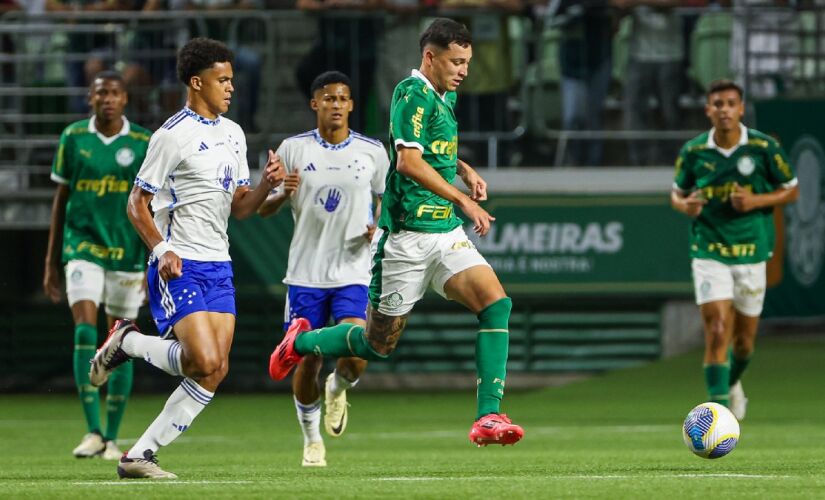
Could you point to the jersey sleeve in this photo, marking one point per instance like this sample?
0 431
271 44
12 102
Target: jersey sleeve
683 178
780 171
162 156
379 177
62 166
409 119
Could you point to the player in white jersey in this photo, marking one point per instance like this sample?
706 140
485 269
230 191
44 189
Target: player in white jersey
335 178
195 174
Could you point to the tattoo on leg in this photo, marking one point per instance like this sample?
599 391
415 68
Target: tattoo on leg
384 331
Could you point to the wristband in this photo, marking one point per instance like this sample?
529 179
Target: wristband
160 249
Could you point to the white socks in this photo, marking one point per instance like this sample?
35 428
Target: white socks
309 417
339 384
158 352
188 400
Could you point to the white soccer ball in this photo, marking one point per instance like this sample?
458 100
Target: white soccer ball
710 430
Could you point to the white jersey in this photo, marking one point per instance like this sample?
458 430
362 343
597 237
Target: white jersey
193 166
332 207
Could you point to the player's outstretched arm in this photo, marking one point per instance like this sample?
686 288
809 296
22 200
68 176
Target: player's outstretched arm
137 209
411 164
247 201
51 273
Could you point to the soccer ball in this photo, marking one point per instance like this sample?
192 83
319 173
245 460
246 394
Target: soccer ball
710 431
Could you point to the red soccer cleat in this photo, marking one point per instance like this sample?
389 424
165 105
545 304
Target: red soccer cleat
284 357
495 429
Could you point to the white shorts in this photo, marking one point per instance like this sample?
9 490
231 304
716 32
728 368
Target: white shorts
411 261
742 283
122 292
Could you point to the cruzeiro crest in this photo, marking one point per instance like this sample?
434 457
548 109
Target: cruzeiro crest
805 219
226 176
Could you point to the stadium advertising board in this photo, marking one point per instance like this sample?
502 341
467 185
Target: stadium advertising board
592 244
797 124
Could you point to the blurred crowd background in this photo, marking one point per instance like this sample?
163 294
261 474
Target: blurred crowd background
554 83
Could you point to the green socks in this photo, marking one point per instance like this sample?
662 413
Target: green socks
339 341
119 388
737 366
85 345
717 377
492 343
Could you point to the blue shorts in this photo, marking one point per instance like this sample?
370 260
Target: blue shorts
316 304
204 286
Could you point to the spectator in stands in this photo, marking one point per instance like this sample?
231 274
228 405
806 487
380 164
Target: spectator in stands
484 93
654 69
585 55
395 60
98 47
248 61
769 26
346 44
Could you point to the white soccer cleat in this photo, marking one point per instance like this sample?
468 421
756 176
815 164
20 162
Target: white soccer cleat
111 355
90 446
738 401
112 452
315 455
142 468
335 410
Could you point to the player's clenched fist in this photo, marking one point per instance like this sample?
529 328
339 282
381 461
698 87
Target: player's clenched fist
274 172
291 183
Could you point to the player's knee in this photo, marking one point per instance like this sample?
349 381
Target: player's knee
205 364
716 331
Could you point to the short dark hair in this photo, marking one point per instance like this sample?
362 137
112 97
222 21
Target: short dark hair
108 74
725 84
199 54
442 32
328 77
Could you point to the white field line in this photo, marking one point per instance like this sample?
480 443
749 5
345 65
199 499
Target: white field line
158 482
529 430
586 476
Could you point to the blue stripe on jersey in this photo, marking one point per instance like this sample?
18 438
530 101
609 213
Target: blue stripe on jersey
177 120
305 134
171 119
374 142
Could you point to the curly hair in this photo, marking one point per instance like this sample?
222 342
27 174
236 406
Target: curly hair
199 54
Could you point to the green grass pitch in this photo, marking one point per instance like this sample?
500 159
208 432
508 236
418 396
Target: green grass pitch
611 436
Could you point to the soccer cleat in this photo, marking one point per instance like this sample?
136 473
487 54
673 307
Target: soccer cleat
738 401
112 452
315 455
90 446
495 429
142 468
111 355
284 357
335 412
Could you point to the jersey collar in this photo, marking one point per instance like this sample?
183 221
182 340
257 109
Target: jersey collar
205 121
743 139
417 74
333 147
124 130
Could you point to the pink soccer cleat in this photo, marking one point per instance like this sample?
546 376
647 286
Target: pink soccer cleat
495 429
284 357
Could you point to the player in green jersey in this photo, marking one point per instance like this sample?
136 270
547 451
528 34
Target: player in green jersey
728 180
421 242
94 168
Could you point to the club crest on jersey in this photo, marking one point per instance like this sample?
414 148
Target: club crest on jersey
124 157
225 178
331 198
745 165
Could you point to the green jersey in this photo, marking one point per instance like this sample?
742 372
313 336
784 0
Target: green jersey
759 165
423 119
99 172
